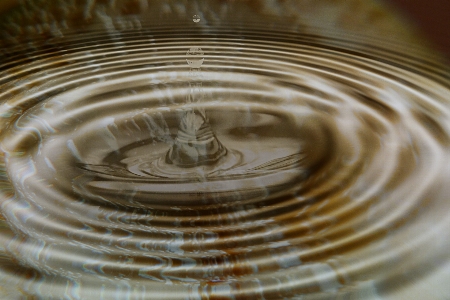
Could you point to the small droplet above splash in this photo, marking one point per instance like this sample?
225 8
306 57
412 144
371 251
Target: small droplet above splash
196 18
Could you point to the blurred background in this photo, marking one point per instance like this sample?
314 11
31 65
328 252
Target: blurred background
431 18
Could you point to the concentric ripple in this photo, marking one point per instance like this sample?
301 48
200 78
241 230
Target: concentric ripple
334 181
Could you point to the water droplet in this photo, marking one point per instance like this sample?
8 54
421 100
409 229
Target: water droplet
196 18
195 57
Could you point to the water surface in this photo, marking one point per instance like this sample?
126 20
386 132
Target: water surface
187 161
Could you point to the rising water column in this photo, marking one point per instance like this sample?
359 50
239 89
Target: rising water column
195 144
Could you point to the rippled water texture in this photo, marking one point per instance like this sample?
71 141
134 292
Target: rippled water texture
201 160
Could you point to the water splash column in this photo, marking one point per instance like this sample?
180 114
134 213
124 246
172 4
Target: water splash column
195 144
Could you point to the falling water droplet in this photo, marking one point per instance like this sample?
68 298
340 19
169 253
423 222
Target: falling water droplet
196 18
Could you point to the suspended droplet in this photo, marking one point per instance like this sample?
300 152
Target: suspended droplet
196 18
